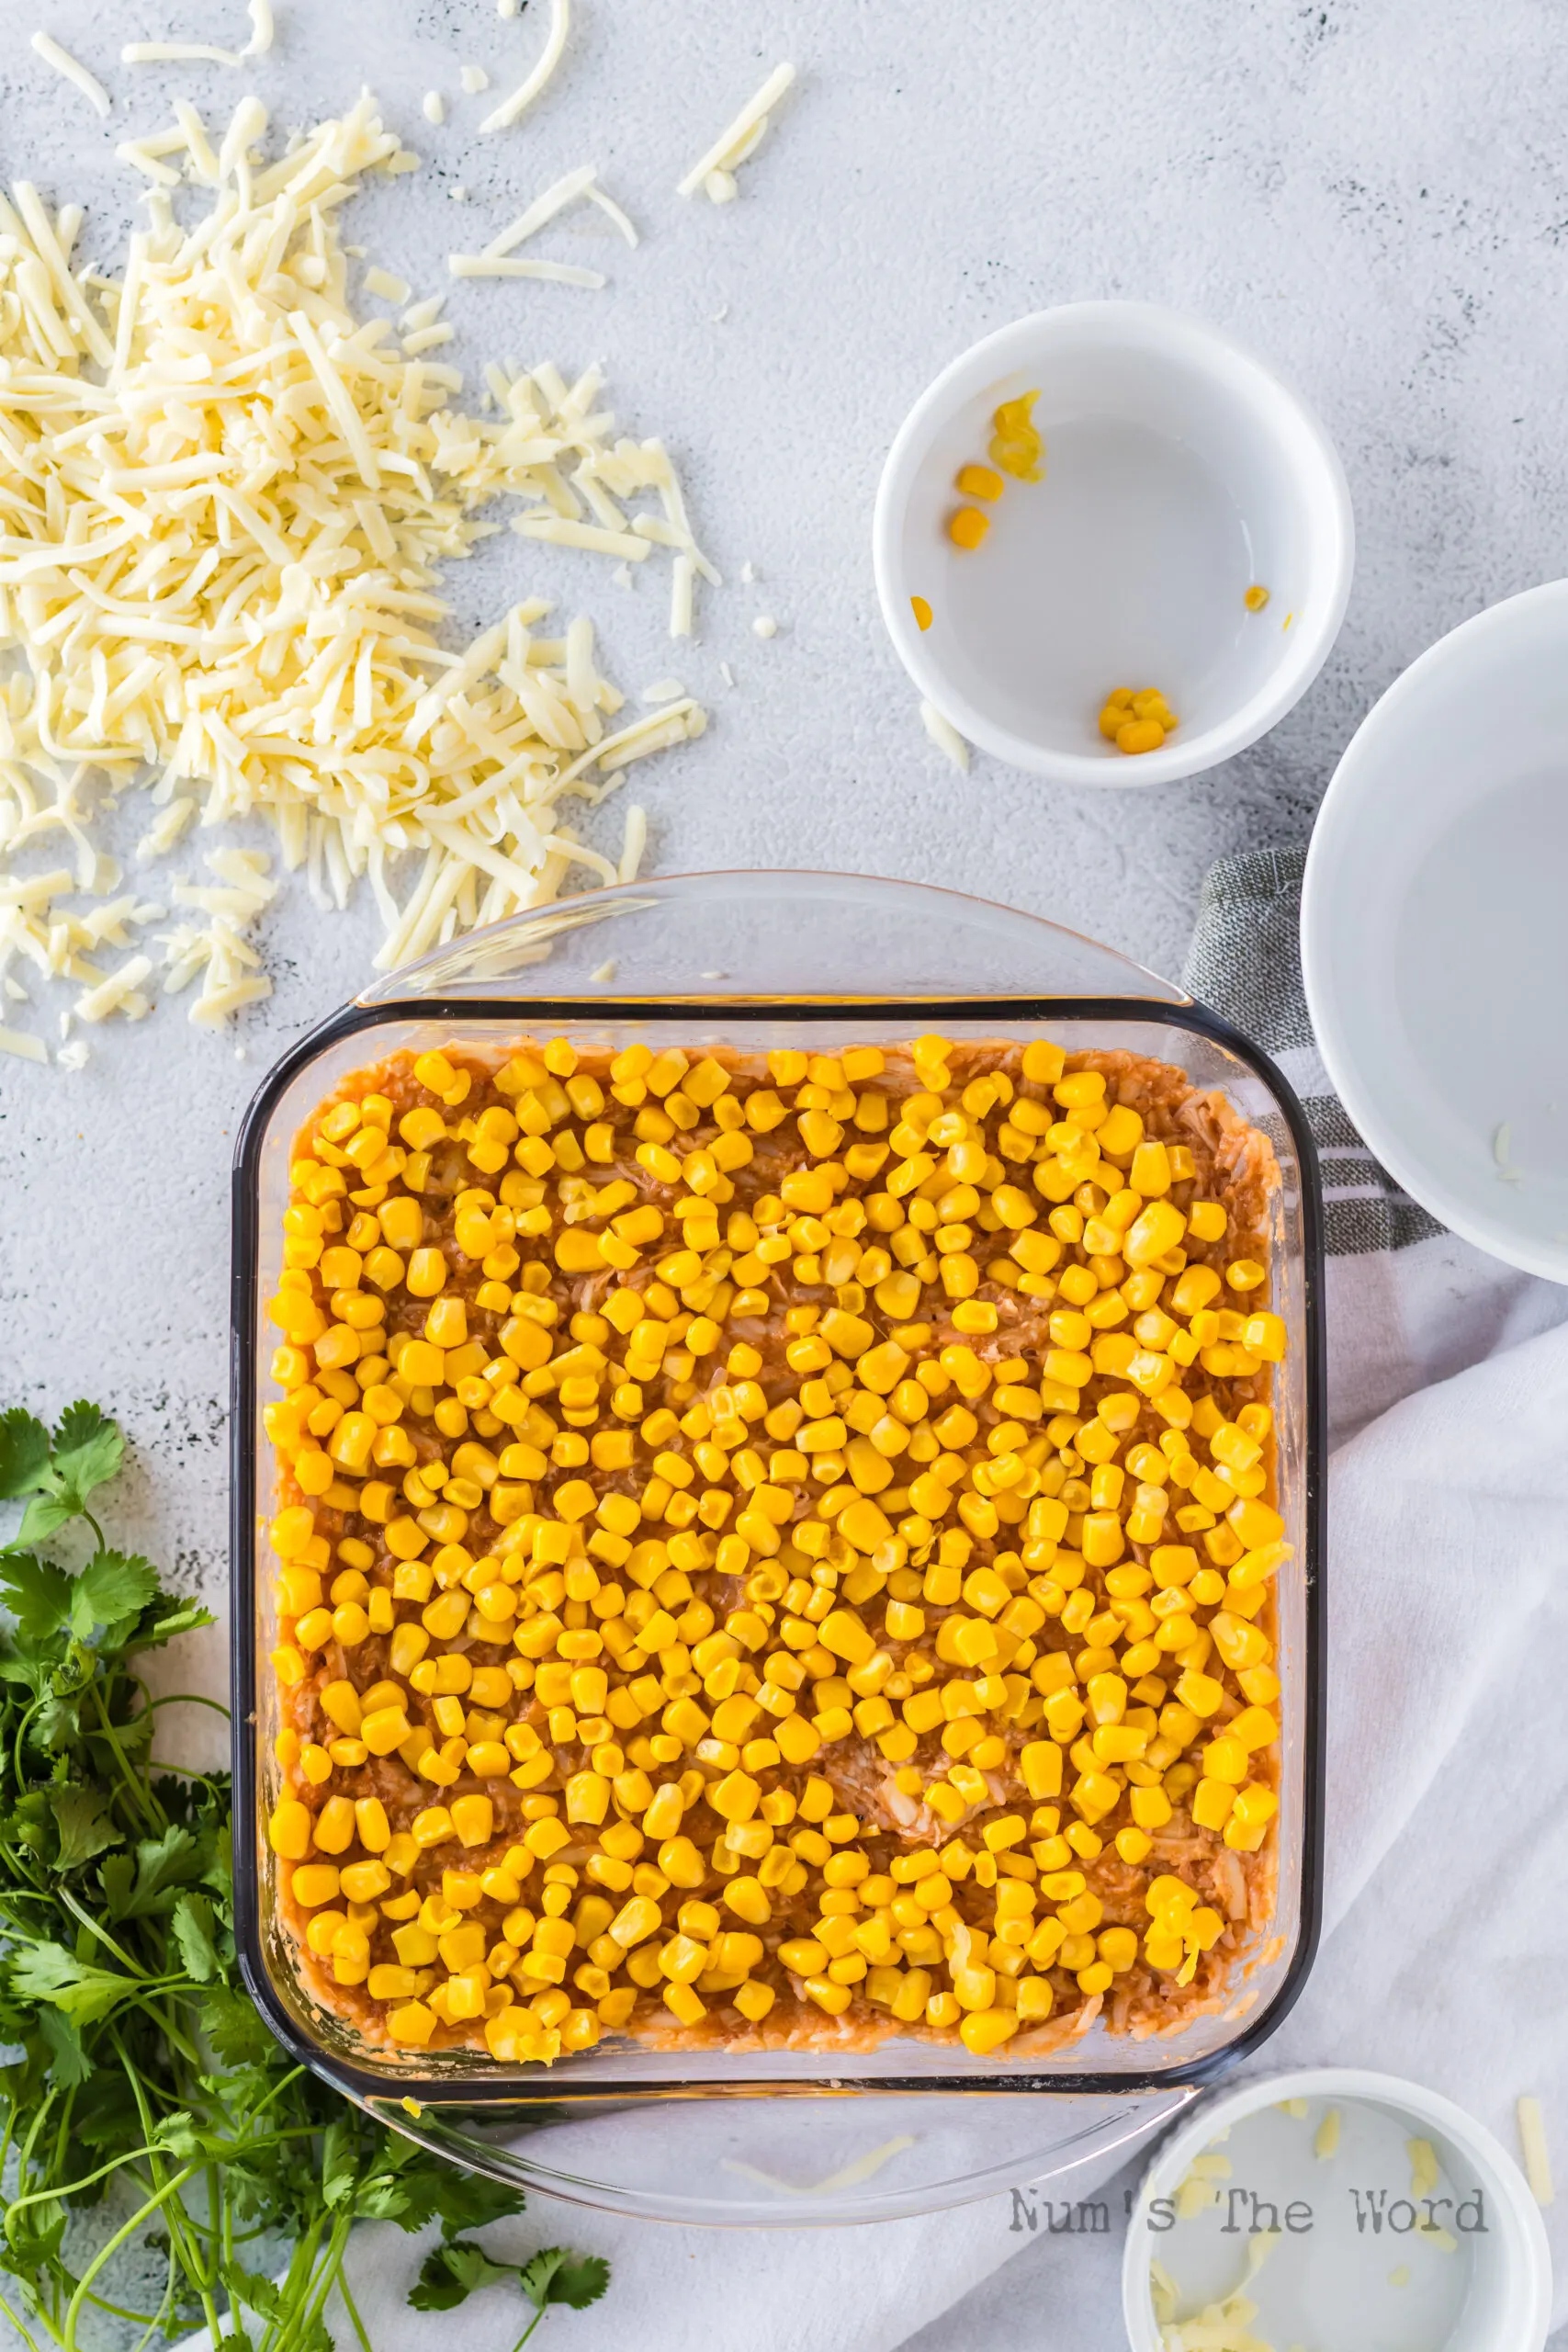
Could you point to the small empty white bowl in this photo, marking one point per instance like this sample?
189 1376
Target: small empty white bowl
1178 472
1435 931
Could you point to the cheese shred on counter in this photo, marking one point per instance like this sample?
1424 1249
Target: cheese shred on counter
224 504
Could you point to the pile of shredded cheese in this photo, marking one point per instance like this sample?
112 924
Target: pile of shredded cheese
224 504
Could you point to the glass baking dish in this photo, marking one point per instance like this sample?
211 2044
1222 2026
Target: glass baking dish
759 961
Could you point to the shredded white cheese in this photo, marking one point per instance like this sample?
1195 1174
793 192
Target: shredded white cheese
945 736
434 106
226 503
612 211
739 140
544 209
555 273
24 1044
389 288
507 112
72 68
474 79
260 15
179 52
1533 2148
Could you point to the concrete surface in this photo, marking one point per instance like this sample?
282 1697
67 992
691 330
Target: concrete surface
1372 193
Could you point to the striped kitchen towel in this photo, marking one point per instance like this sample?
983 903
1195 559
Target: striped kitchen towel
1408 1301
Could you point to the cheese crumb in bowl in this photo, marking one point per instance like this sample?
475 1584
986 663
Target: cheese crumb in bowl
1383 2212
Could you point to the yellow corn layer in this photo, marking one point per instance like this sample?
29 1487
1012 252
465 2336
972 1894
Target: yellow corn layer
765 1544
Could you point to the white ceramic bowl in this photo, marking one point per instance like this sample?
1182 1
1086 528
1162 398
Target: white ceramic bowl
1178 472
1434 930
1508 2302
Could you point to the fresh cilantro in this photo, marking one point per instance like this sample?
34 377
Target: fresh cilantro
556 2275
84 1826
37 1593
23 1454
46 1971
86 1451
194 1928
112 1586
452 2270
136 2058
136 1886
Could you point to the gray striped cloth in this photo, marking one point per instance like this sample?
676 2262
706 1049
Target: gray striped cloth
1246 964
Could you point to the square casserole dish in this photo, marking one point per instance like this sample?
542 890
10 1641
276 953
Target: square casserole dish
757 963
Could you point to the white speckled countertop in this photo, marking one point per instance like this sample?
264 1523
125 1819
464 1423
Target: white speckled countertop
1372 193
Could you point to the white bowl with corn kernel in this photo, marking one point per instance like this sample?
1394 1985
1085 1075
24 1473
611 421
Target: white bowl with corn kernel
1111 547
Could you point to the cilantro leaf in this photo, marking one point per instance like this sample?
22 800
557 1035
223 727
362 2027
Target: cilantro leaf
83 1826
139 1889
558 2274
37 1593
192 1924
431 2190
33 2235
23 1454
248 2286
235 2032
113 1585
450 2273
340 2167
184 2139
47 1974
105 2115
88 1448
42 1516
69 2065
163 1618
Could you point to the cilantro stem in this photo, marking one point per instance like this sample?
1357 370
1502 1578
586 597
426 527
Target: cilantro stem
331 2265
143 2212
63 1895
140 1791
25 2334
187 1699
189 2255
353 2310
118 2311
74 2188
